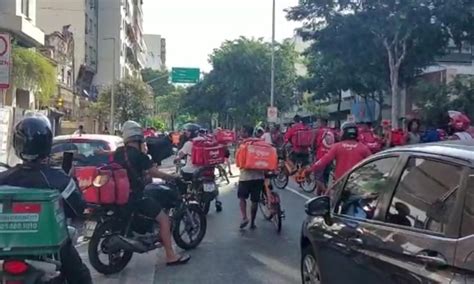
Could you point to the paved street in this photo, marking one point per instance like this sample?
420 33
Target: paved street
227 254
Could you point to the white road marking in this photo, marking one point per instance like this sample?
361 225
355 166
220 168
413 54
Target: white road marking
297 193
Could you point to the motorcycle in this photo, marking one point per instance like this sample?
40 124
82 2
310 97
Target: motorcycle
121 231
204 190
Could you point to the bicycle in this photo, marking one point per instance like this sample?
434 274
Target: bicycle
271 209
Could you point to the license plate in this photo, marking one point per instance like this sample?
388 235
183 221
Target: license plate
89 228
209 187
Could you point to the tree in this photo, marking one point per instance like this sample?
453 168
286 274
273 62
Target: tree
158 81
32 71
171 104
409 34
238 87
133 99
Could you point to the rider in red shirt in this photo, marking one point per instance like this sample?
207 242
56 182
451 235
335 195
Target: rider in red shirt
346 153
298 154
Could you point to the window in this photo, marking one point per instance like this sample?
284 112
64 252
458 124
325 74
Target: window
91 26
25 8
425 195
87 24
364 187
467 226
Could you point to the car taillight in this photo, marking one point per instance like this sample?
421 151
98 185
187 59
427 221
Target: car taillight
26 207
15 267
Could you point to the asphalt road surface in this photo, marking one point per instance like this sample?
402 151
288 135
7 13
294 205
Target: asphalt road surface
228 254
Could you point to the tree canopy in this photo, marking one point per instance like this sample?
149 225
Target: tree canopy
379 45
238 87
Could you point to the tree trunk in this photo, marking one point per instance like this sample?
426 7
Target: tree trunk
339 102
395 98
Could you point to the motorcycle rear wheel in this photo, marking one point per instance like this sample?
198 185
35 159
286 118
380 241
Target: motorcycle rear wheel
102 232
197 230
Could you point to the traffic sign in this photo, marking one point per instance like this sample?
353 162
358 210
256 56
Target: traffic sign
5 60
185 75
272 114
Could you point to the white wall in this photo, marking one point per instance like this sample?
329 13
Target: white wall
153 53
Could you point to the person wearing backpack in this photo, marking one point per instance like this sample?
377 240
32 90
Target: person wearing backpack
32 141
459 124
298 153
141 170
325 139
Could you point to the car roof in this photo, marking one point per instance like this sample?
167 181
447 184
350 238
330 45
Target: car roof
459 149
111 139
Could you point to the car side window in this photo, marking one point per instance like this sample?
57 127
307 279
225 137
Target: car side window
425 195
363 188
467 226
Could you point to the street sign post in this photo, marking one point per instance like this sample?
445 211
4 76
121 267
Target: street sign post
185 75
272 114
5 60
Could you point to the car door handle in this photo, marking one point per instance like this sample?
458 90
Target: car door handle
437 261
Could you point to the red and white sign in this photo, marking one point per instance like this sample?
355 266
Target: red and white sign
272 114
5 60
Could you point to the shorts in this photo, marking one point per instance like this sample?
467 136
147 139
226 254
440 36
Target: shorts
250 188
302 158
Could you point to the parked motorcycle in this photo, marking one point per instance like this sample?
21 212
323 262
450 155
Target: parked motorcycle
204 190
121 231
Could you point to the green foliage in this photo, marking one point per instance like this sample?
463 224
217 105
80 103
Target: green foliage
314 108
378 45
133 99
155 122
436 100
32 71
238 87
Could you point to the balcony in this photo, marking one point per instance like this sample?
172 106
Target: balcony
25 32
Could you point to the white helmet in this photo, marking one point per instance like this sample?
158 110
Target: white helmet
132 132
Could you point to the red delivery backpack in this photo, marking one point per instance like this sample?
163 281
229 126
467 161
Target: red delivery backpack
225 136
399 137
107 185
207 153
303 138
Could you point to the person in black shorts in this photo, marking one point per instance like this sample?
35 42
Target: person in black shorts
251 184
148 198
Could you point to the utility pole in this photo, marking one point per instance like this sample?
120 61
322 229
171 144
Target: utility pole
272 81
112 95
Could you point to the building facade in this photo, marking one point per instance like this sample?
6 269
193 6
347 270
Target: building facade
82 19
121 47
156 52
19 18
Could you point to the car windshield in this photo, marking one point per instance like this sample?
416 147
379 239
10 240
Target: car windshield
86 152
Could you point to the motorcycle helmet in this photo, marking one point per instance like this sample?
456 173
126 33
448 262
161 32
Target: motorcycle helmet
192 128
33 138
132 132
349 131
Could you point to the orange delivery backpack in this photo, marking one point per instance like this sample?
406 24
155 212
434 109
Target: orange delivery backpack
255 154
226 136
304 138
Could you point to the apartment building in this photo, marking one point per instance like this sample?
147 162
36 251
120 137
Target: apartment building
121 47
82 19
156 51
19 18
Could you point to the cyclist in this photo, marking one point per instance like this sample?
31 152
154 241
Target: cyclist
346 153
298 154
140 169
325 139
32 141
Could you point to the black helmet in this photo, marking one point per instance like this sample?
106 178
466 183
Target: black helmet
349 131
193 128
33 138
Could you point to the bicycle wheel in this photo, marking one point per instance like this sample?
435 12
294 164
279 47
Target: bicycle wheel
281 180
263 207
277 213
310 184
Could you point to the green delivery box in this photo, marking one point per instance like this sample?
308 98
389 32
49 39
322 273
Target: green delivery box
32 221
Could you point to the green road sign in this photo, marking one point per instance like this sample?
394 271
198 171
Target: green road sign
185 75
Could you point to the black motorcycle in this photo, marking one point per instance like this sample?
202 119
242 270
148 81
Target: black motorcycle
203 189
121 231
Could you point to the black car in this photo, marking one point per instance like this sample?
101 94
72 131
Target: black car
405 215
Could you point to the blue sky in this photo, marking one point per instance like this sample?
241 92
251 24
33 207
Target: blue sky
193 28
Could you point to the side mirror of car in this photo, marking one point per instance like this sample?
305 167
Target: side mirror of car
318 206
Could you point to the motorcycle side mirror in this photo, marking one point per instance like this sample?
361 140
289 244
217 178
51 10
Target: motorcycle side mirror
100 180
318 206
